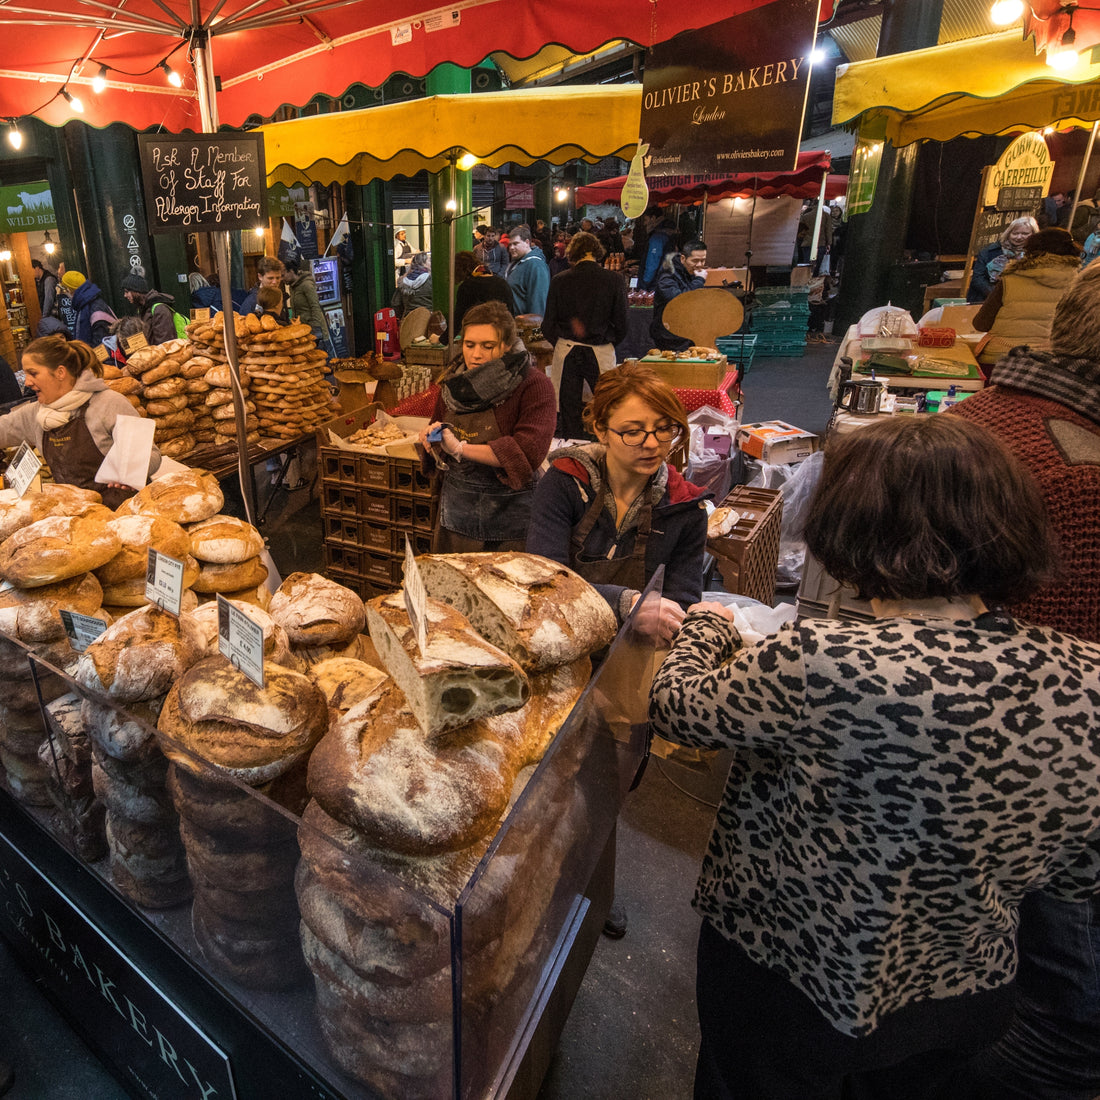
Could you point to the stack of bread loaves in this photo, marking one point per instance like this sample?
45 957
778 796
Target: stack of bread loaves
208 339
160 370
322 619
132 665
241 853
126 385
415 778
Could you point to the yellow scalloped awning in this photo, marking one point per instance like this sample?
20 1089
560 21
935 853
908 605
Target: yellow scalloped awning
991 85
556 125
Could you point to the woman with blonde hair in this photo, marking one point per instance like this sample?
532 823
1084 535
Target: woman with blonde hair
72 422
991 260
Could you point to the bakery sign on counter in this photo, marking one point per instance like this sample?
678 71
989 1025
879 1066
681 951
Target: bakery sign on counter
730 97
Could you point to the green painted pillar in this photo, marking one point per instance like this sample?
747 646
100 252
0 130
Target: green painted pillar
372 264
452 184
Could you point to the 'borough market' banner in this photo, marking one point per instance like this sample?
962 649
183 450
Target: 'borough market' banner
730 97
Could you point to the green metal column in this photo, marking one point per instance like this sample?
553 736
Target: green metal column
372 266
452 184
875 241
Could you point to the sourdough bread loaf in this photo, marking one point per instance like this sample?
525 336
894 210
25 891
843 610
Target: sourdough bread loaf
345 681
460 678
276 647
539 612
53 500
315 611
34 614
187 496
229 576
138 534
224 539
58 547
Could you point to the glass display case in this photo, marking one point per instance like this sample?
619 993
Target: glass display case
241 942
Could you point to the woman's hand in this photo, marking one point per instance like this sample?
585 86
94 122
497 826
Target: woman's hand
451 445
423 436
717 608
659 619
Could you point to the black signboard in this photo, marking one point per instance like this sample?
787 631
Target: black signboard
730 97
989 225
204 183
1019 198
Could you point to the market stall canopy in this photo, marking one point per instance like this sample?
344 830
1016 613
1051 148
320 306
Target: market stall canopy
991 85
558 125
266 53
804 183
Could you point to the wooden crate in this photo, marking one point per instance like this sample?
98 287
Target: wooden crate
749 555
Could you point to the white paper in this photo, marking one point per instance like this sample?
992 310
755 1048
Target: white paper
127 462
168 466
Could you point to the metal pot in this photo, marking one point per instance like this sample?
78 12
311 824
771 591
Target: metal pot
863 397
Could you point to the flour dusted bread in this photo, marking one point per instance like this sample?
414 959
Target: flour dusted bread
460 678
315 611
137 534
276 647
255 734
34 614
224 539
140 656
345 681
54 499
539 612
187 496
59 547
229 576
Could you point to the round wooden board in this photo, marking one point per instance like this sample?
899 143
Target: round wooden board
703 315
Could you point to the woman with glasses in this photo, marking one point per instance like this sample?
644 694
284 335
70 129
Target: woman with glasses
615 510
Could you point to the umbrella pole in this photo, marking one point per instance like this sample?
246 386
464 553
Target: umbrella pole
817 218
451 256
703 219
1081 174
209 114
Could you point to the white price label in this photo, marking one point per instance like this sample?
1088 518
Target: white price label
164 582
241 641
416 599
81 630
23 469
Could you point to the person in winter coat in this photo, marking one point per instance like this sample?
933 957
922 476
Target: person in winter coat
476 284
156 309
614 511
660 242
991 260
304 304
682 271
414 288
494 421
72 422
269 271
529 276
1021 305
94 317
46 285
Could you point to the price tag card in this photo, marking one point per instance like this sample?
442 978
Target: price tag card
23 469
82 630
164 582
200 314
136 342
416 598
241 641
100 352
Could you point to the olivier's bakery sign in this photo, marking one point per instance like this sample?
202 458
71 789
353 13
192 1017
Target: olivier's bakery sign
730 97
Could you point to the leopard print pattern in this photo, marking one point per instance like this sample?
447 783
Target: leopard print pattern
900 786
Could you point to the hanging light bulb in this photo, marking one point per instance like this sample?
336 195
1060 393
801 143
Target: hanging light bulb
5 255
72 100
467 161
259 231
1005 12
47 244
451 205
174 78
562 194
1062 60
99 81
15 138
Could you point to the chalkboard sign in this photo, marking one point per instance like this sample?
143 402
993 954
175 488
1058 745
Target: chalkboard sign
203 183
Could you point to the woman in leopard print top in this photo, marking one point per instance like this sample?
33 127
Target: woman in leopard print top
901 784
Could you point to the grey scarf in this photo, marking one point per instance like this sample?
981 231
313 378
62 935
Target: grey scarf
470 391
1074 383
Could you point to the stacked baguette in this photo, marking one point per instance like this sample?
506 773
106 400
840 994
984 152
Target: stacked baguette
217 418
160 372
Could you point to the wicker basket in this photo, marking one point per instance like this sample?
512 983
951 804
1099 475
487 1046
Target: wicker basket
749 555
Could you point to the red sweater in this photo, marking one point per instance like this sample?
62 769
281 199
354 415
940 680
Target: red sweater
1062 450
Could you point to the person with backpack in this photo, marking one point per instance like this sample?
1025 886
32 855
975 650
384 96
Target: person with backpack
94 317
156 309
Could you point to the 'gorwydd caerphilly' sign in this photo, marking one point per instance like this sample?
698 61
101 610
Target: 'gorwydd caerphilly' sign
730 97
1025 163
205 183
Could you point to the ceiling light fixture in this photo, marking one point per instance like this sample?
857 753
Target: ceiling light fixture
99 81
72 100
47 244
15 137
467 161
174 78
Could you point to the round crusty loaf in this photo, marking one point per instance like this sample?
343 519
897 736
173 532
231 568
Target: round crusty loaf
316 611
276 647
54 500
345 681
139 656
187 496
59 547
34 614
253 733
214 577
539 612
224 539
138 534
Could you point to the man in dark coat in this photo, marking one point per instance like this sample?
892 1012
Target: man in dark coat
681 271
155 308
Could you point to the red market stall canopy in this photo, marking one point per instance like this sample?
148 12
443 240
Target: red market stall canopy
552 124
990 85
803 183
262 54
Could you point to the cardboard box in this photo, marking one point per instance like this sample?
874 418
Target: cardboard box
776 442
690 374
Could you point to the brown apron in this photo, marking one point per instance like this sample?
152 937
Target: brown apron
630 571
473 501
73 458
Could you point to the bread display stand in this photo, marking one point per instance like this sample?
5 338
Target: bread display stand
502 960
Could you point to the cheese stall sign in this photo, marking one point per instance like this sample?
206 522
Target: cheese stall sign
1025 163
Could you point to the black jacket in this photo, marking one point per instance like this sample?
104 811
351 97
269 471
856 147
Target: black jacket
586 303
671 282
476 289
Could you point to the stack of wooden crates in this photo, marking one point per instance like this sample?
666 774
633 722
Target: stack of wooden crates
370 504
748 556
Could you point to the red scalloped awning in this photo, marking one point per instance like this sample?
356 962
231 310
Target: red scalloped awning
803 183
278 52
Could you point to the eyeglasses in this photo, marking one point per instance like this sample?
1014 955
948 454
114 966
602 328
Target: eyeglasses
636 437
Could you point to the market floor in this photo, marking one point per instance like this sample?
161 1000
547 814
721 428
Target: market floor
632 1032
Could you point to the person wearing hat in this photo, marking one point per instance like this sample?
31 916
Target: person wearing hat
93 316
402 252
155 308
46 285
1045 407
